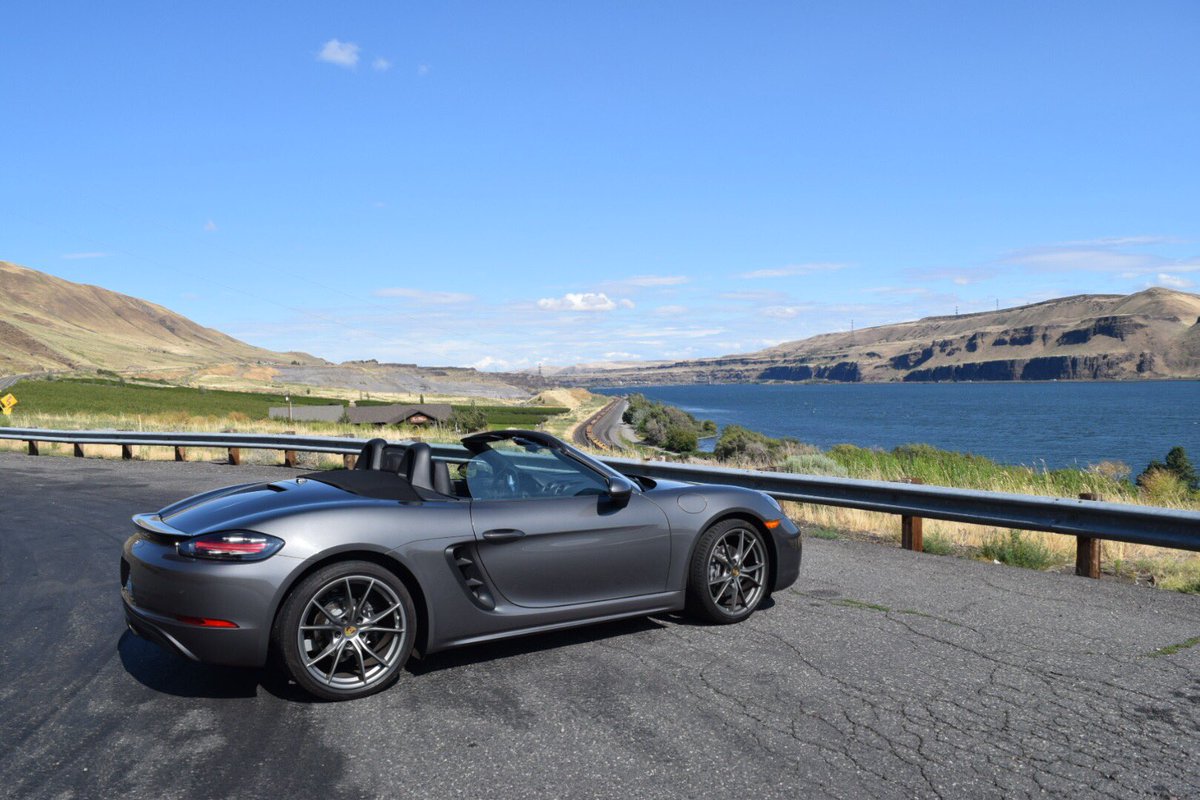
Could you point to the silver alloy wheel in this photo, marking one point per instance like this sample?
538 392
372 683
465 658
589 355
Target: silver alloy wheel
737 571
351 632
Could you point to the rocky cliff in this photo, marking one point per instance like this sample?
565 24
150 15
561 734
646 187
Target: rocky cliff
1151 334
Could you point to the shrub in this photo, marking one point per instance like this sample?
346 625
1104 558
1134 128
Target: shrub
665 426
1162 486
1111 470
814 464
1177 464
743 443
468 418
936 544
1016 550
680 439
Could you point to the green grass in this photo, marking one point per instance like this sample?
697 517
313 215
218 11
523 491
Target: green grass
860 604
1172 649
100 396
936 544
1017 550
968 471
824 533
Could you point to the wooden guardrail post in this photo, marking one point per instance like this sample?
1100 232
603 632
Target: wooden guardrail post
289 458
126 452
348 461
911 528
33 448
180 453
78 450
235 455
1087 549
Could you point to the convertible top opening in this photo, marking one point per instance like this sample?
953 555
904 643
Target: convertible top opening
376 484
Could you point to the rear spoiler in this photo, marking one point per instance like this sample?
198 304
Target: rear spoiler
153 524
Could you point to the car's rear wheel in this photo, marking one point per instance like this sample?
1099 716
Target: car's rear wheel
729 570
346 630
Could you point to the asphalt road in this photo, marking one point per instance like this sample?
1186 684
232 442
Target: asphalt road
606 427
882 673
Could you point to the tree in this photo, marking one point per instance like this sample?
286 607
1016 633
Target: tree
680 439
468 418
1177 464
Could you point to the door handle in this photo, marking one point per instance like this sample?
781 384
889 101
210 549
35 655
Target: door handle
503 534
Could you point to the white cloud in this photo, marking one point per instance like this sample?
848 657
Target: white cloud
582 301
1121 241
425 296
754 296
343 54
1086 259
489 362
75 256
671 311
210 226
792 270
902 291
782 312
381 65
1174 281
423 70
655 280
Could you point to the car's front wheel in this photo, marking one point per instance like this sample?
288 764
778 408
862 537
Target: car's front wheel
346 630
729 572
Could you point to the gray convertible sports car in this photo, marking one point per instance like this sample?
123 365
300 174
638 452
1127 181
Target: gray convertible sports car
339 576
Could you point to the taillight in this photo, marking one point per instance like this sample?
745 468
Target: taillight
232 546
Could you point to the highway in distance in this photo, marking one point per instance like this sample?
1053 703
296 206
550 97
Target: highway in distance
881 674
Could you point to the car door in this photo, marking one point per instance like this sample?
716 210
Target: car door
542 549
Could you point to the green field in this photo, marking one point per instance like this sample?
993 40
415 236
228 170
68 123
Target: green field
98 396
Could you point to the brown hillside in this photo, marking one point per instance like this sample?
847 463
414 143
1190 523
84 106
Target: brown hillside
1151 334
54 324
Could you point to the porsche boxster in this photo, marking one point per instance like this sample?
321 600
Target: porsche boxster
339 576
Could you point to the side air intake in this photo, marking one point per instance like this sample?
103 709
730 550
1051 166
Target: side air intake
466 567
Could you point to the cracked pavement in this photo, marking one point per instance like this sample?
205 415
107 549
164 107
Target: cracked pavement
880 674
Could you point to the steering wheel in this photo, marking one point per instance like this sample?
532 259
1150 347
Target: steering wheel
506 481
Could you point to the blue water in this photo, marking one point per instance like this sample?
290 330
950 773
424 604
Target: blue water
1055 424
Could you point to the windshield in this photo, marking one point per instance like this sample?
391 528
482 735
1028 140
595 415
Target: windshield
520 468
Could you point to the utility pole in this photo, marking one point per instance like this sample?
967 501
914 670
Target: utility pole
288 398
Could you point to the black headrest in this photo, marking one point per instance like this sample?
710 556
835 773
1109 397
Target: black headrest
417 465
441 478
371 456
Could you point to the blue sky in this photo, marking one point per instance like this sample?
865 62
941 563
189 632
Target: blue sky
507 184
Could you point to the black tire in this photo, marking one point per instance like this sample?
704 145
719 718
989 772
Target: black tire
721 588
365 639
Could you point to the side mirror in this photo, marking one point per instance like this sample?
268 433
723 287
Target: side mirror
620 489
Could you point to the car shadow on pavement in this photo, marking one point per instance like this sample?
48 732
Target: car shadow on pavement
162 671
687 620
524 645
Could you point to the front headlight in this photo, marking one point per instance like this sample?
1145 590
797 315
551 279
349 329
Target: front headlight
231 546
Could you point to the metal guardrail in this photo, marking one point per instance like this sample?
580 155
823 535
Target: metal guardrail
1089 520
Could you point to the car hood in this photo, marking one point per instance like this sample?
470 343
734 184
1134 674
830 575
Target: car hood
244 506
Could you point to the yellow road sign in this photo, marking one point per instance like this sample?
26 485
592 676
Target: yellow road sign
7 411
8 401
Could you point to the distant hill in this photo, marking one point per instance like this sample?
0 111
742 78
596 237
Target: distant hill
1151 334
51 324
47 323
